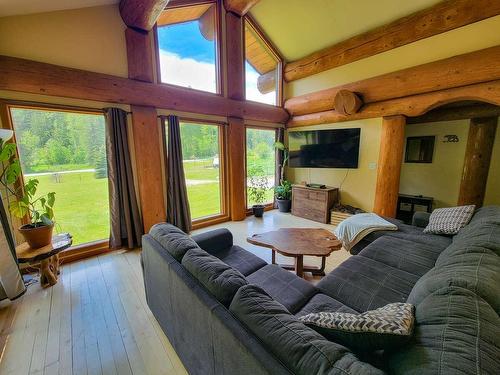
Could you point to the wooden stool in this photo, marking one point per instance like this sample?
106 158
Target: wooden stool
48 256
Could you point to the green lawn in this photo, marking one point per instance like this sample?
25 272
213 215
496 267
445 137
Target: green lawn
82 205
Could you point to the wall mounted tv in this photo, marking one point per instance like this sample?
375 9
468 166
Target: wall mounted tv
335 148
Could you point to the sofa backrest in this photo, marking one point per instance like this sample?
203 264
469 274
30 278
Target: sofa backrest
174 240
458 305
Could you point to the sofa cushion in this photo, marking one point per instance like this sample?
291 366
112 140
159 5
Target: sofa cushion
414 257
219 278
487 214
174 240
302 349
449 220
364 284
322 302
241 259
387 327
456 332
215 240
285 287
479 234
478 272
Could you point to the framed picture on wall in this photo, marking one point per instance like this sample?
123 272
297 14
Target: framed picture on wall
419 149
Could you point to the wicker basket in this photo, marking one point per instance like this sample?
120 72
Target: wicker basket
336 217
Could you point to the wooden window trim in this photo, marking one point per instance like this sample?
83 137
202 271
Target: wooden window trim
219 77
268 206
75 252
223 216
274 51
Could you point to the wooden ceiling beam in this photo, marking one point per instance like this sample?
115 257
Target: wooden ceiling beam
53 80
415 105
239 7
457 71
442 17
465 112
141 14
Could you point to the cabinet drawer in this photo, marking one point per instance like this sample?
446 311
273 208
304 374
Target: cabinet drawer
315 215
300 194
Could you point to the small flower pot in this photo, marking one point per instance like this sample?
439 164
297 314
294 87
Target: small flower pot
258 210
37 237
284 205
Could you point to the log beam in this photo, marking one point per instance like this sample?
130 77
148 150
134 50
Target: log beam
415 105
141 14
389 165
266 82
461 70
237 177
139 55
463 112
442 17
477 160
53 80
239 7
347 102
235 60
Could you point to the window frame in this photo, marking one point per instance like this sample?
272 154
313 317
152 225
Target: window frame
219 77
248 19
267 206
75 252
224 215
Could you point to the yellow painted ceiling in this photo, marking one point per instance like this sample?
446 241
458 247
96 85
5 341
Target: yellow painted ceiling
301 27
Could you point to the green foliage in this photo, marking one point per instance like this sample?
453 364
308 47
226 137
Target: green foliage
281 146
40 210
283 190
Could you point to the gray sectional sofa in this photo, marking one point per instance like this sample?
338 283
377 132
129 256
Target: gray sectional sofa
226 311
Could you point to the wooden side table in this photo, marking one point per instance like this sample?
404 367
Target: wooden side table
48 256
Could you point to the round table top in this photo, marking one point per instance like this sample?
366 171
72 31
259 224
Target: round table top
26 254
298 241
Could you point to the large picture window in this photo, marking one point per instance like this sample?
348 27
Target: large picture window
202 153
261 162
262 67
187 43
66 152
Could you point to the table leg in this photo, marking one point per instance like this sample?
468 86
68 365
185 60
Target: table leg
47 277
299 265
273 259
56 263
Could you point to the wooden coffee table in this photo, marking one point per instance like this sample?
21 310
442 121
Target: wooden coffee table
297 242
48 256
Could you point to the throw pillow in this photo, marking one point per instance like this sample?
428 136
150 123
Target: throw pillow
383 328
449 220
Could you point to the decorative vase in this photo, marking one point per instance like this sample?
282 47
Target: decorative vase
258 210
37 237
284 205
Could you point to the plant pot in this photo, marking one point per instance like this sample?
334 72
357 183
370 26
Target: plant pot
258 210
284 205
37 237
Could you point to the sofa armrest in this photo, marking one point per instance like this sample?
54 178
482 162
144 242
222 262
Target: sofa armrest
215 240
420 219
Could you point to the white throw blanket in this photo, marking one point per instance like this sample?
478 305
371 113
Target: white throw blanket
353 229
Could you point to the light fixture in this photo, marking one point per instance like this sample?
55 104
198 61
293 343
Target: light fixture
6 134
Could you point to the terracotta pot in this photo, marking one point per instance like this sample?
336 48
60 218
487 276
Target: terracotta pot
37 237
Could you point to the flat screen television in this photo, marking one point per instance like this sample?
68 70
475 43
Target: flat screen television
335 148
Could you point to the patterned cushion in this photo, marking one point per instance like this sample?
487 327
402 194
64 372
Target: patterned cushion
449 220
385 327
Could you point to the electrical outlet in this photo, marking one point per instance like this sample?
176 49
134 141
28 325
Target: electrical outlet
372 166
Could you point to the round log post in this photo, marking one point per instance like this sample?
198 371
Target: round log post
347 102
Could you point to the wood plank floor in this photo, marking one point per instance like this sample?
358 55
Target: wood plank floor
95 320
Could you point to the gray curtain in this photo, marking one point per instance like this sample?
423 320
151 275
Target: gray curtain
280 137
178 212
11 281
126 222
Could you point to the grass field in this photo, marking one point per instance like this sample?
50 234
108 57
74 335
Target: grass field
82 204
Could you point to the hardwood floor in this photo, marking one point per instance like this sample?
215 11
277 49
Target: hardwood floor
95 320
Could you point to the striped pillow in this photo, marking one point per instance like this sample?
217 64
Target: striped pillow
449 220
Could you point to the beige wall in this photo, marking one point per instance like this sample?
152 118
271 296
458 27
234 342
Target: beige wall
91 39
358 188
492 195
441 178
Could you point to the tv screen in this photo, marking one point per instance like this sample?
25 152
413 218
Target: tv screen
336 148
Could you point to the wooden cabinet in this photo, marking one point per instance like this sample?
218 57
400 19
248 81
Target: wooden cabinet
313 203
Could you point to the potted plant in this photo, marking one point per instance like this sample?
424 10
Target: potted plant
283 191
39 210
283 194
257 188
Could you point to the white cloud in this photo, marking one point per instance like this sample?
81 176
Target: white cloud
187 72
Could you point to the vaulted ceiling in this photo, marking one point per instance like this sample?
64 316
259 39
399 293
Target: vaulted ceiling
301 27
15 7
